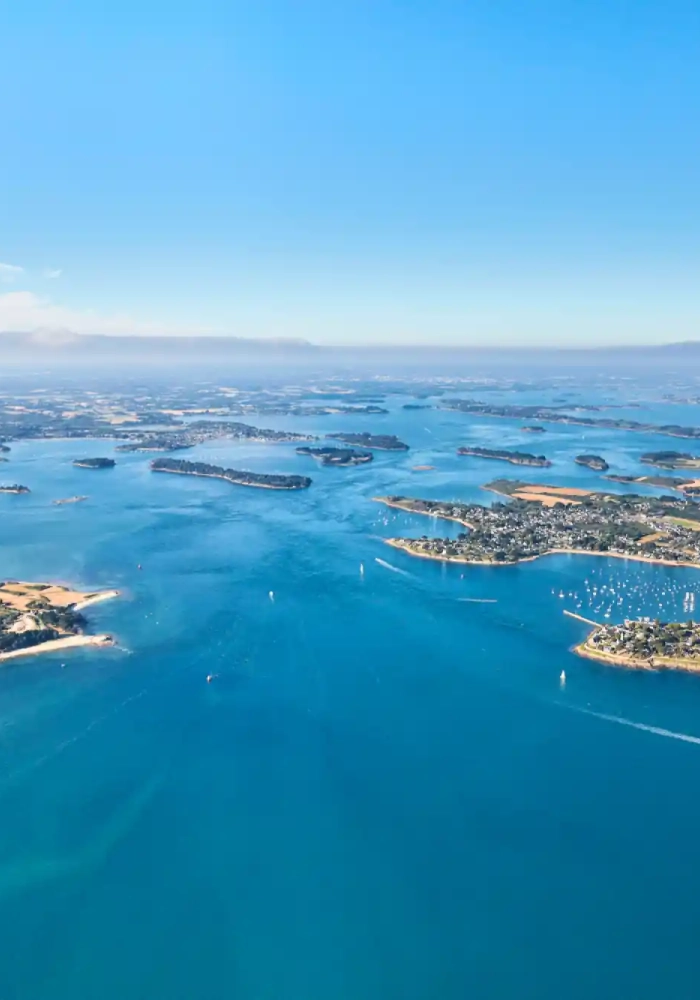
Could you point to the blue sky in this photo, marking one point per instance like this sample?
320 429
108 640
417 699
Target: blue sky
352 172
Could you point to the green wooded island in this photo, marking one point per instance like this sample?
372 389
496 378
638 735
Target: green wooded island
378 442
260 480
594 462
514 457
337 456
94 463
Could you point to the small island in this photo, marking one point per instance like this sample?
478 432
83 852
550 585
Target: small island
671 459
325 411
514 457
260 480
594 462
156 443
533 429
94 463
416 406
45 617
378 442
337 456
648 645
65 500
15 488
4 448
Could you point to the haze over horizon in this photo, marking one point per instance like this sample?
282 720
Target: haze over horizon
437 174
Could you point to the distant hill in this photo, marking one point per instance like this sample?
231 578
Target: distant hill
49 345
55 346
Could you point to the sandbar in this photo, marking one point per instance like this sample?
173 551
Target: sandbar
67 642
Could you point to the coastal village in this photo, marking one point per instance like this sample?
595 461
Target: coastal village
540 520
650 644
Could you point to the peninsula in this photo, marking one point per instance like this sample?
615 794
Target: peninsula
690 487
337 456
514 457
15 488
594 462
261 480
671 459
45 617
94 463
200 431
646 645
557 415
649 529
378 442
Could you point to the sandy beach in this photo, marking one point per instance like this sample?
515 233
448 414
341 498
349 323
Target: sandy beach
105 595
54 645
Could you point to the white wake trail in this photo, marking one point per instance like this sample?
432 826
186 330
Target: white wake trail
656 730
394 569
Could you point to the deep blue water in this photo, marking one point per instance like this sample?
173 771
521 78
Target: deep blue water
385 793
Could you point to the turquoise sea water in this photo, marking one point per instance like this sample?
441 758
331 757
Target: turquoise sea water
385 792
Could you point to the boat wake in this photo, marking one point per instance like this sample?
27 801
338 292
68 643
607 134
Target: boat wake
394 569
656 730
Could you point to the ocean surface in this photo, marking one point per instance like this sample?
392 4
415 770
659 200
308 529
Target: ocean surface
385 793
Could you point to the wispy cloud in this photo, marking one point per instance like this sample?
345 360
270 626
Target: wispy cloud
51 272
23 311
10 273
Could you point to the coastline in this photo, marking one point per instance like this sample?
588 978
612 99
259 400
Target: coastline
53 645
105 595
426 513
653 663
650 429
397 544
